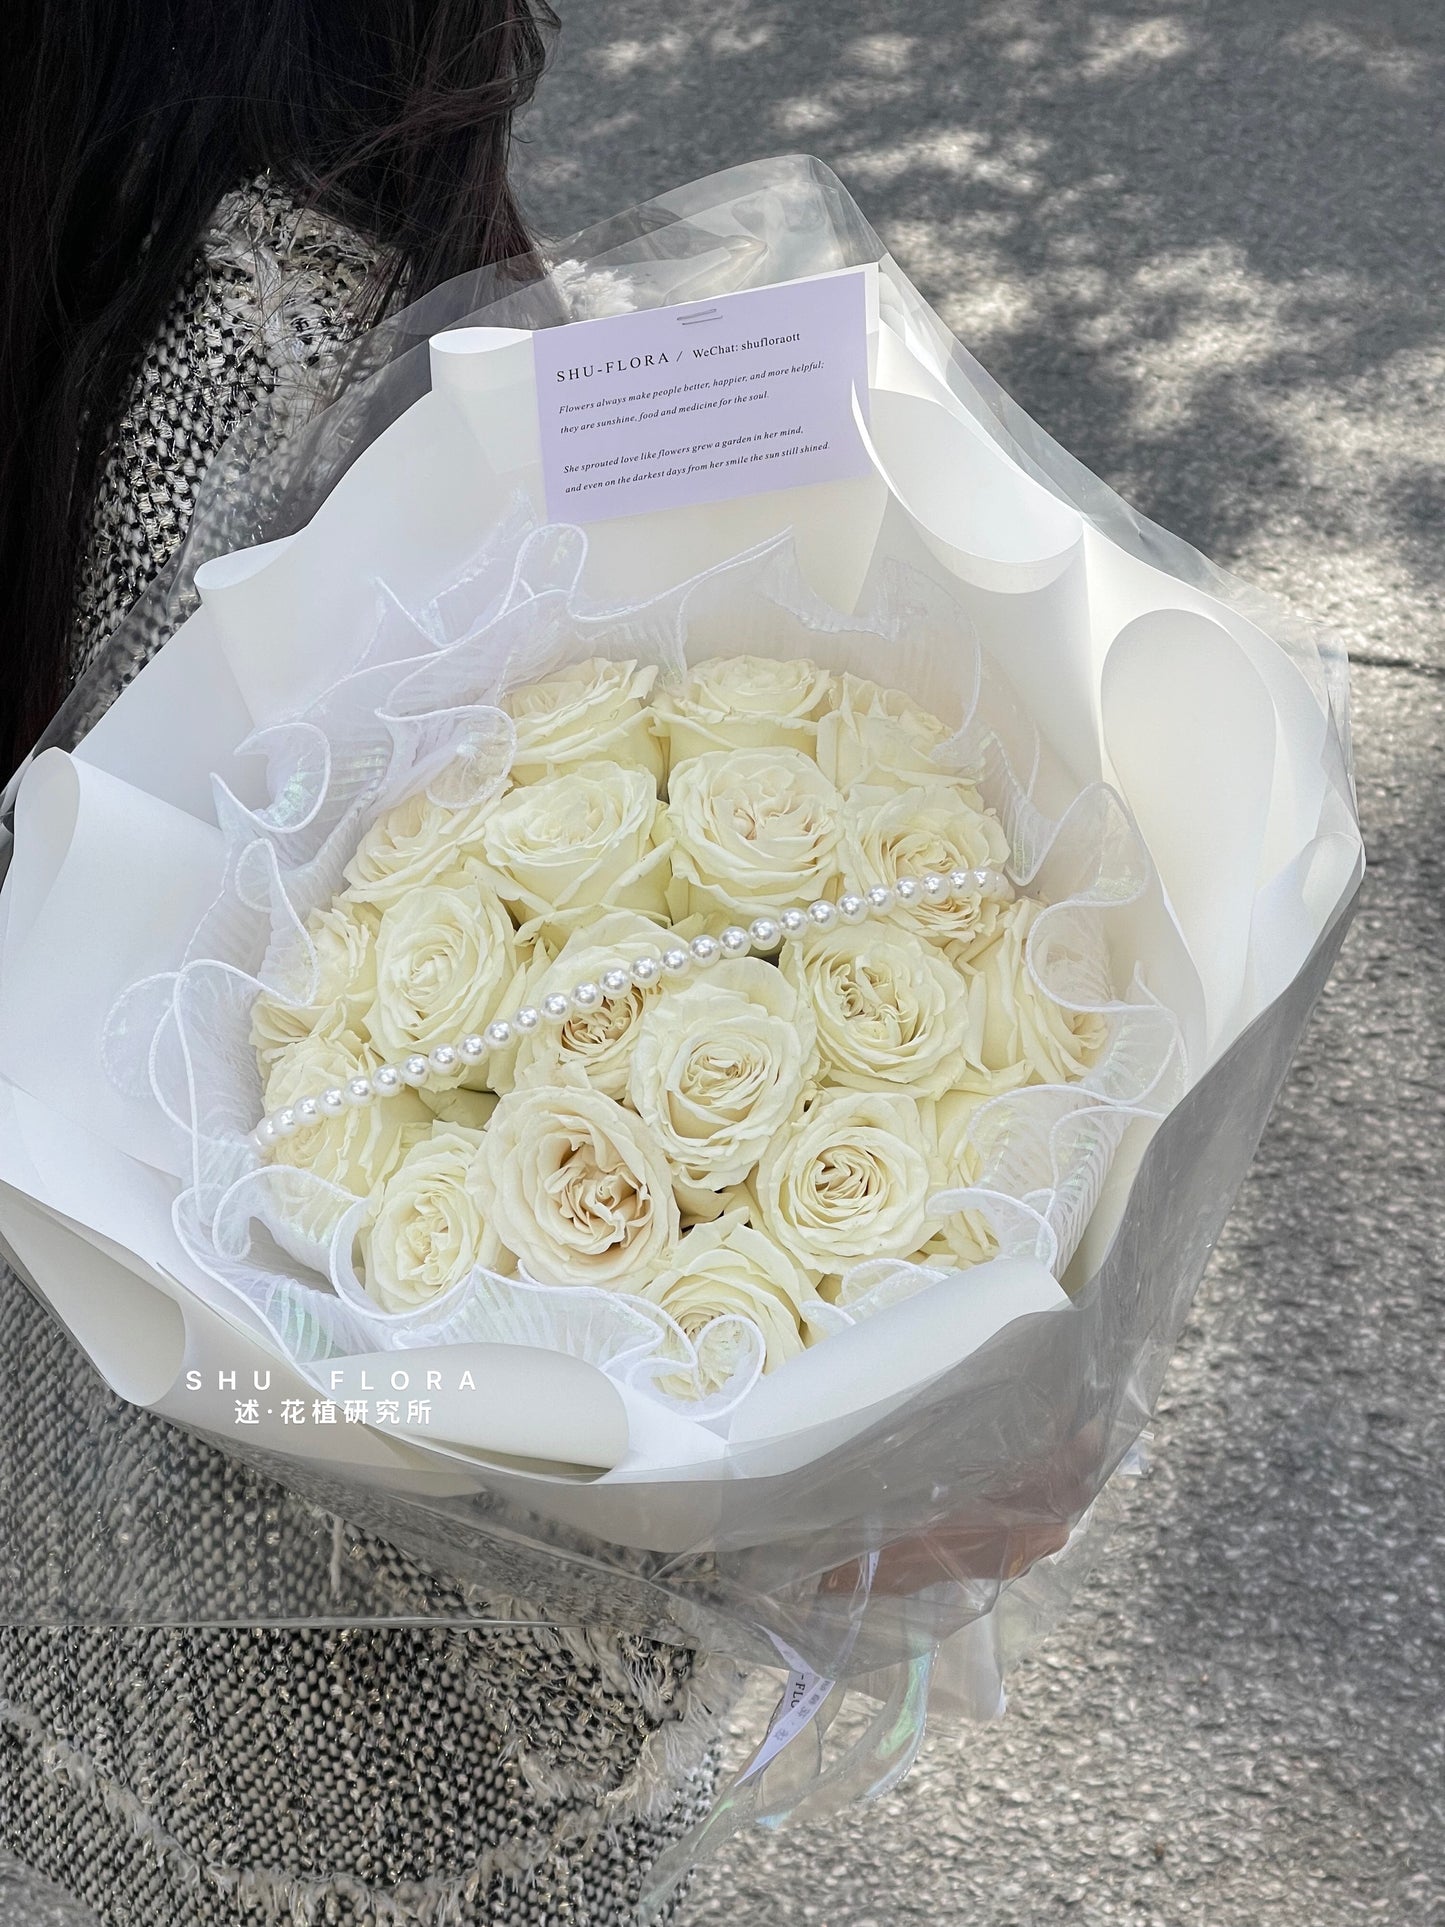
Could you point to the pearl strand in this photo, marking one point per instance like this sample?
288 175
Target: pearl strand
764 934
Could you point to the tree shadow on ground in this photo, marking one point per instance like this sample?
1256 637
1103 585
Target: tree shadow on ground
1200 244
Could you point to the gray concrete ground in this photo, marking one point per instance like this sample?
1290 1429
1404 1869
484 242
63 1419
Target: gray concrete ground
1203 245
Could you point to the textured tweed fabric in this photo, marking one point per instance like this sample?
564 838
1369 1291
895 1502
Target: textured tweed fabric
434 1776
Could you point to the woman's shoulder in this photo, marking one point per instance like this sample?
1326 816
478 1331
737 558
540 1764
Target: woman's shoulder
273 289
279 281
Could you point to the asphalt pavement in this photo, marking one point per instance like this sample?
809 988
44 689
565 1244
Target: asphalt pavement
1203 246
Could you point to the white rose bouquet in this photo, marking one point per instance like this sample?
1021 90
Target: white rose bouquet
682 1047
702 1058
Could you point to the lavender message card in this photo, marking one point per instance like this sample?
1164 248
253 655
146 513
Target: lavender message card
673 406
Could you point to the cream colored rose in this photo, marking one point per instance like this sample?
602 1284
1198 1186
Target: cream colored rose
576 1186
415 843
337 965
360 1149
850 1180
932 827
561 849
744 702
598 1042
722 1272
445 964
891 1009
878 736
755 829
963 1237
589 712
718 1066
427 1230
1027 1037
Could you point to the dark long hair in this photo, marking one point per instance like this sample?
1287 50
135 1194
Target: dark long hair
125 121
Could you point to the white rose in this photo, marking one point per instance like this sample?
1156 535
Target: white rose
876 735
560 849
575 1185
597 1042
416 842
963 1237
933 826
336 964
1028 1038
427 1230
445 964
891 1009
360 1149
754 828
744 702
717 1067
723 1272
589 712
850 1180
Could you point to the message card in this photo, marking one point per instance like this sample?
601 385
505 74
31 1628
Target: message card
673 406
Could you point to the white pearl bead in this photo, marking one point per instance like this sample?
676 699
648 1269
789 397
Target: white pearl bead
822 914
906 889
473 1048
764 933
879 898
644 971
286 1123
935 887
444 1060
852 908
793 922
587 996
332 1102
615 982
676 962
264 1135
705 951
415 1069
960 882
527 1019
555 1007
735 941
499 1033
386 1080
359 1091
308 1112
